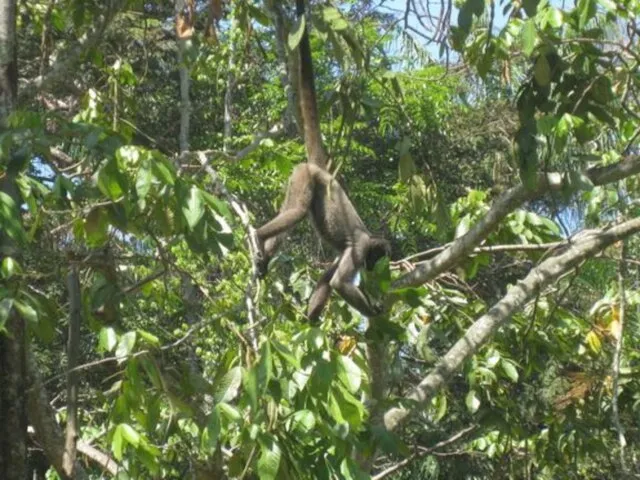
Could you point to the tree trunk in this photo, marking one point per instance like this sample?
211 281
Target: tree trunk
13 418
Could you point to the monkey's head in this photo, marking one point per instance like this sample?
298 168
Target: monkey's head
378 248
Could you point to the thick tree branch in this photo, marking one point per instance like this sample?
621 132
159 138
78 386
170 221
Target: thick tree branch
99 457
525 290
509 201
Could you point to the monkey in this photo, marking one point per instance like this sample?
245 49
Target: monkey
312 191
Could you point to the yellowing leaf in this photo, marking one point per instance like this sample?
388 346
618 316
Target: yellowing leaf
346 344
593 341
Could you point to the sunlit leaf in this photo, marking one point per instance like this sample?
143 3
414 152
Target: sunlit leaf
472 401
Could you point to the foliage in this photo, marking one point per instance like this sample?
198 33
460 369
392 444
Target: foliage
191 368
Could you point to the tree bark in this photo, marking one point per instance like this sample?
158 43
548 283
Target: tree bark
13 417
73 350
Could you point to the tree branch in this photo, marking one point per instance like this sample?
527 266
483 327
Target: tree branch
482 329
509 201
73 351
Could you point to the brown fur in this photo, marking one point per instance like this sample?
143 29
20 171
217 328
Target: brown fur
314 192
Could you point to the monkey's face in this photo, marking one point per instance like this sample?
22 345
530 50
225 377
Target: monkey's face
379 248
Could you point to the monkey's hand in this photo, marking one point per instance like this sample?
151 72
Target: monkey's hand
257 253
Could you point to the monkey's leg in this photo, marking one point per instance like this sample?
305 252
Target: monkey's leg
321 293
342 281
294 208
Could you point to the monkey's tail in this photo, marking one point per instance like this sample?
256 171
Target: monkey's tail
308 103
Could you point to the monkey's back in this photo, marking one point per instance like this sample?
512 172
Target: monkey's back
331 212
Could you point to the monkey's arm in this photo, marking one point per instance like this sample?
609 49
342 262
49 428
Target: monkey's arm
321 293
348 266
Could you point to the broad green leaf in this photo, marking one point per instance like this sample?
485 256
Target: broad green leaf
269 461
193 209
9 267
96 227
227 389
542 71
349 373
250 383
554 17
509 370
107 339
230 412
143 181
10 223
117 443
303 421
125 346
26 311
529 36
212 432
286 354
350 471
162 170
109 181
296 32
472 401
129 434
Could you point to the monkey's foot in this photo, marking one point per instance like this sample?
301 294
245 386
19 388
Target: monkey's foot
257 252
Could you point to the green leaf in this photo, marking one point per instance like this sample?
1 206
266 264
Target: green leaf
509 370
250 383
26 311
286 354
10 217
163 170
472 401
586 10
229 411
542 71
441 405
129 434
349 373
107 339
227 389
117 443
529 36
193 209
264 367
150 338
296 32
109 181
303 422
212 432
125 346
269 461
96 227
143 182
6 304
9 267
554 17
